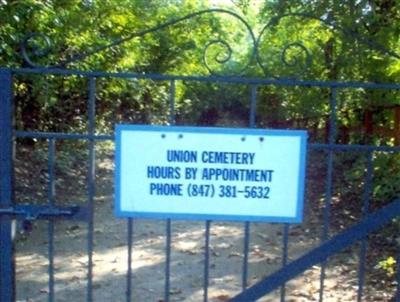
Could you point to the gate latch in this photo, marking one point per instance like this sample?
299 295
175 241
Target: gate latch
34 212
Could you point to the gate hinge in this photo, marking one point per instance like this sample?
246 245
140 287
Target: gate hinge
33 212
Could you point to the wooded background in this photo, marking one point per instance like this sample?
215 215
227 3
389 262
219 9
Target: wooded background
362 45
312 40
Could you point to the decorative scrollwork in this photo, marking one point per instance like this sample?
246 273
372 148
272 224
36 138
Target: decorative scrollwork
295 55
37 45
296 60
217 53
221 57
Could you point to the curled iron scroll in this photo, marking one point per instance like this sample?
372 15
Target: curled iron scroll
225 58
307 56
30 47
299 62
37 45
221 57
295 61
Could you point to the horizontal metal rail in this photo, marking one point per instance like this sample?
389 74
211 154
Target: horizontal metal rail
210 79
60 135
369 224
102 137
354 148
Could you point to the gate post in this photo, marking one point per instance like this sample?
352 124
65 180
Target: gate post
7 290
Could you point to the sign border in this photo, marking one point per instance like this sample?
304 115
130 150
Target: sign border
191 216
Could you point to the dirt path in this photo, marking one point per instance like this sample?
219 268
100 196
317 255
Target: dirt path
187 259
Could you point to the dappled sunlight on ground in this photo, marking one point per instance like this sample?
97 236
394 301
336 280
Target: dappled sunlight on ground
187 258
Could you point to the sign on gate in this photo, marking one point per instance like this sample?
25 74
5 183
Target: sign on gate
210 173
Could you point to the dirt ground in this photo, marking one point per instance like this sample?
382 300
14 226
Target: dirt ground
187 259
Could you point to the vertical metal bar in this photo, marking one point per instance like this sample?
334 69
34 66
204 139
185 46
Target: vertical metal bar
253 106
129 273
172 102
326 214
51 194
252 124
91 183
171 119
285 256
246 244
398 274
167 259
365 210
206 259
7 281
329 179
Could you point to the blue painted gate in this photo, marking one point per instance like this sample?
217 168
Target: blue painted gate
50 211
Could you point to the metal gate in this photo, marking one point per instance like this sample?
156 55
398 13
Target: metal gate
50 211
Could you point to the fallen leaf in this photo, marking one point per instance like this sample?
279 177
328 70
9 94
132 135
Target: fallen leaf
235 254
175 291
223 297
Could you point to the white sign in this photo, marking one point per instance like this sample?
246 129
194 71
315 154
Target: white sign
210 173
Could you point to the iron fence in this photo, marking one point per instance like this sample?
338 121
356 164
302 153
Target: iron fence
52 212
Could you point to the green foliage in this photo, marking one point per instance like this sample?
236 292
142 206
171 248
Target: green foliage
386 177
296 41
388 265
313 40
